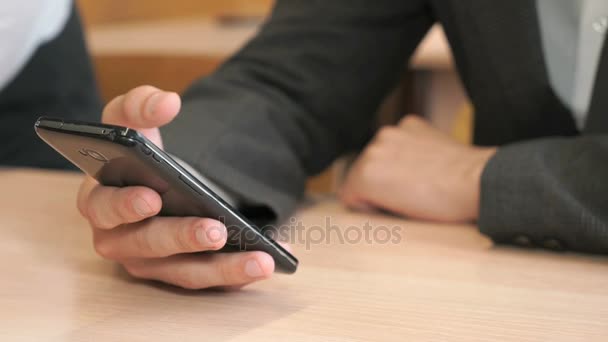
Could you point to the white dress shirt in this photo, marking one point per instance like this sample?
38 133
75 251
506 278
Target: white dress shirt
24 25
573 34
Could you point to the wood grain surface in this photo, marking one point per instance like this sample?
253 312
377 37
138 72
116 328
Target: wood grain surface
432 282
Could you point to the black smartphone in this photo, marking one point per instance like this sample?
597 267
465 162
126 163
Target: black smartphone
119 156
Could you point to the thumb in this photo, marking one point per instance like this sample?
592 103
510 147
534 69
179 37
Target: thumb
143 108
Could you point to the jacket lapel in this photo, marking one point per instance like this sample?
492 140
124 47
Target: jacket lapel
597 118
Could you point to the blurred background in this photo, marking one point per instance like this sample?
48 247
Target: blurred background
170 44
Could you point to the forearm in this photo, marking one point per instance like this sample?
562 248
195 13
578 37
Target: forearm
297 96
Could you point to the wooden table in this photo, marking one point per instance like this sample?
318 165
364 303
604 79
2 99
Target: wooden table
439 282
213 37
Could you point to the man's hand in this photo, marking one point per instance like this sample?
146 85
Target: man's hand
417 171
125 226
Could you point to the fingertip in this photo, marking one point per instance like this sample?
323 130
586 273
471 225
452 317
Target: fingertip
259 266
162 107
143 107
215 232
174 100
128 109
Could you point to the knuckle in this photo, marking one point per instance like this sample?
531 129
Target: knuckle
226 274
375 152
388 133
186 238
119 215
123 205
142 242
186 280
82 207
410 120
96 212
103 248
82 200
93 217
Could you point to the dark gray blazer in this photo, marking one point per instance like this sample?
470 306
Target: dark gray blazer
304 91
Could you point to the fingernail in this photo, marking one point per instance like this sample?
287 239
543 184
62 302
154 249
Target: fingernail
152 102
142 207
253 269
214 235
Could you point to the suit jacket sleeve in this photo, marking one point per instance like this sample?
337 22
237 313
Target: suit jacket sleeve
301 93
550 192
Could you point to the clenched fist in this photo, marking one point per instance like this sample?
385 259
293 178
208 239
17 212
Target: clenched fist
417 171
